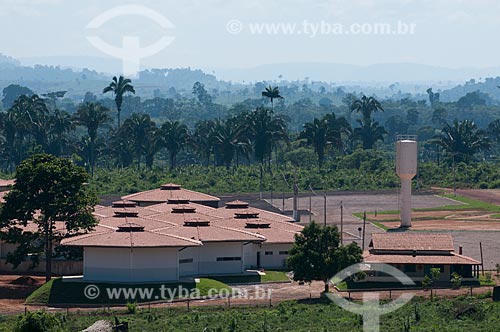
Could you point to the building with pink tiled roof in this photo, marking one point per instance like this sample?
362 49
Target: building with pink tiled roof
179 238
171 191
416 253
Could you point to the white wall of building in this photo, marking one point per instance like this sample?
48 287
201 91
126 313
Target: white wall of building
272 256
213 258
126 265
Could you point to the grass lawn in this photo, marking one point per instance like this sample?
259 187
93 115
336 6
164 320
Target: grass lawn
450 315
59 292
469 204
254 278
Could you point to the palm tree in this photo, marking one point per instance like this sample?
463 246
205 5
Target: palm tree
33 117
60 123
463 140
139 127
325 132
119 86
201 139
265 130
272 93
228 138
174 136
366 106
369 133
93 117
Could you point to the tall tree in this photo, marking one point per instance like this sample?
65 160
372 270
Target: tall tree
228 138
272 93
325 132
369 133
93 117
317 254
60 123
201 139
119 86
265 130
174 137
139 128
48 190
463 140
366 106
33 115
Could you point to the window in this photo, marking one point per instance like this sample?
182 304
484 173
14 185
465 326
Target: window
228 259
283 252
410 268
185 261
269 253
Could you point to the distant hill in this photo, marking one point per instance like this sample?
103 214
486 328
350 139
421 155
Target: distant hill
79 74
345 73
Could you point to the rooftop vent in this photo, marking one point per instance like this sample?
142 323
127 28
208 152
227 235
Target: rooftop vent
178 200
171 186
124 204
237 205
130 227
196 222
183 209
126 213
257 224
247 215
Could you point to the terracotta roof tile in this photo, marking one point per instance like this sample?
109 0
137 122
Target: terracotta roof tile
452 259
412 241
115 239
7 183
161 195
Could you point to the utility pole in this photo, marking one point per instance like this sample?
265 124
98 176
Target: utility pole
324 209
454 177
310 204
261 181
364 231
341 223
482 261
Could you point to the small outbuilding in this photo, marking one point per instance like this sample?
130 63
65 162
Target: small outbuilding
416 253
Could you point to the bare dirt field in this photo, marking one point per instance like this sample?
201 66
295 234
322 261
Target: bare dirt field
468 228
14 289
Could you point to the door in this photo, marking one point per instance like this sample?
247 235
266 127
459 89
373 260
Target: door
258 259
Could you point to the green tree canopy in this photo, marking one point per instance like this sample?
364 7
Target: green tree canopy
318 255
47 190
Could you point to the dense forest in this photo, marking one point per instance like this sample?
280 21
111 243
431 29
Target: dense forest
264 136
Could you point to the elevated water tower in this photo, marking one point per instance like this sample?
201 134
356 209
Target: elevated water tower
406 169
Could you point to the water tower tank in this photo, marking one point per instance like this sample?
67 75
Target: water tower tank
406 169
406 160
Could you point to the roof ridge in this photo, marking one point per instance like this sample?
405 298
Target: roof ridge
83 236
241 231
175 236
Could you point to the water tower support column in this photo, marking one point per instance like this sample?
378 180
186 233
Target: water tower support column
405 202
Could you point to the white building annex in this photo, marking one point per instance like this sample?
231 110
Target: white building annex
179 238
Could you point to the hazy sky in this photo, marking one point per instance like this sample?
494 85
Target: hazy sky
452 33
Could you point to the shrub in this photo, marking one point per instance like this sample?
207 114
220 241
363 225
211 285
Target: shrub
131 308
488 277
456 280
38 322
